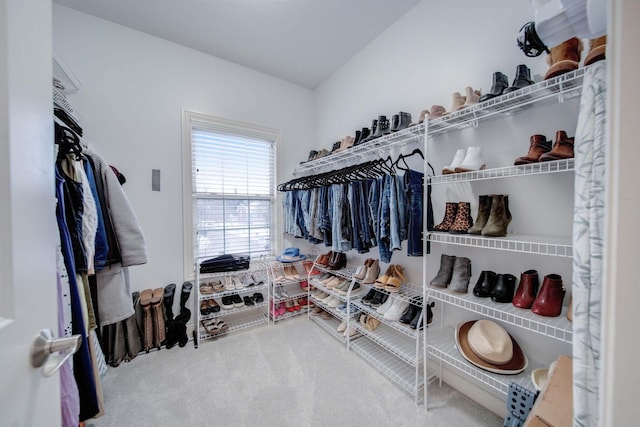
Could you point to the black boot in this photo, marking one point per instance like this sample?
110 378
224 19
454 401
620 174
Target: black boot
383 127
372 131
180 322
400 121
169 292
523 79
500 83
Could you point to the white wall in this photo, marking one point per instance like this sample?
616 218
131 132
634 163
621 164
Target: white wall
431 52
133 89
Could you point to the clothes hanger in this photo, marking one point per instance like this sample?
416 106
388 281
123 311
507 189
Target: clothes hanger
67 141
403 157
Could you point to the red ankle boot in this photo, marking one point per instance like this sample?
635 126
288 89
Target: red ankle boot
549 300
526 293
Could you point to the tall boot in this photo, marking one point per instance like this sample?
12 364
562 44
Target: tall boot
499 218
145 302
484 210
157 313
180 322
169 292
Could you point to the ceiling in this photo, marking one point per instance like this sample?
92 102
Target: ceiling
301 41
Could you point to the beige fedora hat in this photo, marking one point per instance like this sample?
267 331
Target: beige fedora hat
488 346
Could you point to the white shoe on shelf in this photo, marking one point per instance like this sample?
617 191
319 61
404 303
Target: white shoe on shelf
457 161
342 326
473 160
395 312
229 284
387 305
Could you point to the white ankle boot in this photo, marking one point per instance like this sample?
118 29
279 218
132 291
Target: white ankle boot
457 161
473 160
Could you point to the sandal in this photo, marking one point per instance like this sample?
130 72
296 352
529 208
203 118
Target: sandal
382 280
258 297
217 286
211 326
396 280
204 308
206 288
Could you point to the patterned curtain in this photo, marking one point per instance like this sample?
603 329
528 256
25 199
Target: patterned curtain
588 239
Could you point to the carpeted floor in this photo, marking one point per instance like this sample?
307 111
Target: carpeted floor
290 374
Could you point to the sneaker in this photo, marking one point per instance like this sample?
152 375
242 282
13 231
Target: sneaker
237 283
396 310
382 309
237 301
227 302
229 284
335 302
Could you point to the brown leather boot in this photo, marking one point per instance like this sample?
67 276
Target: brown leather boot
549 300
484 210
157 313
564 58
562 148
145 302
526 293
449 216
597 49
463 221
538 145
499 218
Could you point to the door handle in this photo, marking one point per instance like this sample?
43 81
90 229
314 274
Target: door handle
44 345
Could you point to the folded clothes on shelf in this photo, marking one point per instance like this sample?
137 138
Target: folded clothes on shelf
226 262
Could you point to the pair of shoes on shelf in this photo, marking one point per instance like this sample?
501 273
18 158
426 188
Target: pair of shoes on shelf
393 308
374 298
344 288
469 160
460 102
501 86
541 150
454 273
493 217
370 322
499 287
392 280
231 301
256 298
232 283
457 218
372 271
209 306
208 288
215 326
290 272
544 302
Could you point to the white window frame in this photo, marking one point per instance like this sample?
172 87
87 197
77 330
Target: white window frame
189 119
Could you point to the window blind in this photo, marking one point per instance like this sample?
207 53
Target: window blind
233 192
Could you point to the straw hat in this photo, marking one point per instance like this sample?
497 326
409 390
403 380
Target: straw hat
488 346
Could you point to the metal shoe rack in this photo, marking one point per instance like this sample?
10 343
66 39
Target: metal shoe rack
238 318
440 345
280 283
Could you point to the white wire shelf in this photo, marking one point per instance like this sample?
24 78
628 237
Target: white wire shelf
289 314
399 345
409 292
539 168
292 296
411 134
401 327
554 327
530 244
226 312
330 325
442 347
331 292
236 324
254 266
557 89
246 290
390 366
346 272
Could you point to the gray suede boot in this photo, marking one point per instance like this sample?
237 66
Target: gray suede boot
443 277
484 210
499 218
461 275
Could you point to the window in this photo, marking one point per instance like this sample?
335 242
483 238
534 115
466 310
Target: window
232 194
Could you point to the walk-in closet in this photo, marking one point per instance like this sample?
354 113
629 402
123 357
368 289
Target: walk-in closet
318 212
